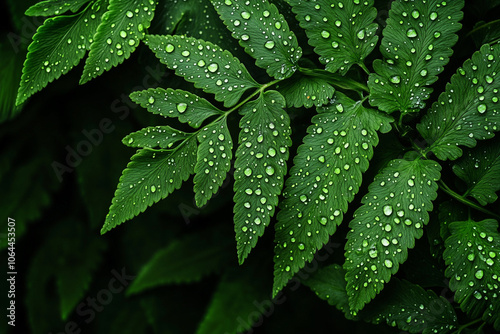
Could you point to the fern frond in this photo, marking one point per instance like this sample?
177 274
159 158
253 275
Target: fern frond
468 110
391 217
326 174
260 167
55 7
416 45
264 34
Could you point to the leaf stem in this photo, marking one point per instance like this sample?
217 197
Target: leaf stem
461 328
335 79
464 200
363 66
251 96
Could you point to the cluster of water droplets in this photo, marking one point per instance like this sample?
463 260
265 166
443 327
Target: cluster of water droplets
392 216
214 160
206 65
468 110
260 167
187 107
324 179
157 136
342 33
264 33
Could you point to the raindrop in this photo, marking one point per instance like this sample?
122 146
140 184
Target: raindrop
387 210
248 172
479 274
388 263
169 48
213 67
245 15
153 189
303 198
185 53
277 25
415 14
411 33
481 108
361 34
269 45
245 37
372 253
395 79
269 170
181 107
325 34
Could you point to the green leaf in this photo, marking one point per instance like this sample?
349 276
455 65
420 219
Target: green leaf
472 255
55 7
187 107
411 308
214 160
329 284
123 26
480 169
326 174
238 303
260 167
206 65
342 33
185 260
264 34
416 45
391 217
162 136
468 110
305 91
150 176
58 45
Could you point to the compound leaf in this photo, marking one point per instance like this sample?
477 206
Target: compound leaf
413 309
122 28
326 174
416 45
260 167
472 257
206 65
303 90
214 160
58 45
480 169
55 7
468 110
162 136
342 33
184 260
150 176
187 107
264 33
391 217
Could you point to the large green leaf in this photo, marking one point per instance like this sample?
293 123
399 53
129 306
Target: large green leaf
264 34
123 26
326 175
150 176
155 136
342 33
472 255
416 45
214 160
480 169
260 167
391 217
303 90
58 45
206 65
468 110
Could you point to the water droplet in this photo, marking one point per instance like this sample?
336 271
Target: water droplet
335 45
185 53
385 242
307 18
266 13
479 274
169 48
338 23
361 34
245 15
248 172
237 23
303 198
129 14
201 63
153 189
131 42
245 37
228 2
123 34
151 100
395 79
481 108
269 45
388 263
372 253
433 16
213 67
131 140
277 25
411 33
269 170
325 34
257 221
301 246
415 14
181 107
271 151
387 210
423 73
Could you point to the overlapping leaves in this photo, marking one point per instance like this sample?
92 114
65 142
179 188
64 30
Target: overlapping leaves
326 175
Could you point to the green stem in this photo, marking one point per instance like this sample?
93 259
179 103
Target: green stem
482 27
461 328
465 201
363 66
251 96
